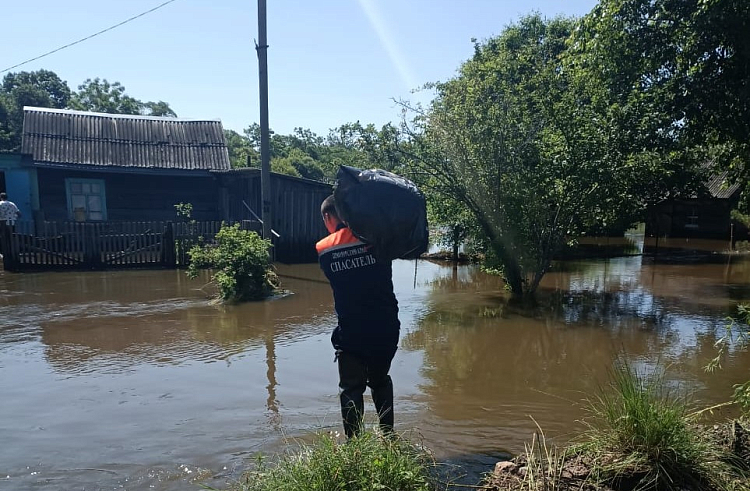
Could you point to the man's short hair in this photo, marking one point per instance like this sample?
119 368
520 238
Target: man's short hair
3 196
329 206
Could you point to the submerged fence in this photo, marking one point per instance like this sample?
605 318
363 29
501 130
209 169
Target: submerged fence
102 245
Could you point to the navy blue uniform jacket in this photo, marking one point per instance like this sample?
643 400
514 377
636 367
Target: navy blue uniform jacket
363 296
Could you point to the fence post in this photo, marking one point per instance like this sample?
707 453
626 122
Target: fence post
168 251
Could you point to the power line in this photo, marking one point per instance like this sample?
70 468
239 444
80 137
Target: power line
89 37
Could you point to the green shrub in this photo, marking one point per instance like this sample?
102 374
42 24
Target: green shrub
368 462
640 433
240 262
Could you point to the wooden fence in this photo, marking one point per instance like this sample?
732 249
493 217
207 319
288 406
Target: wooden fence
102 245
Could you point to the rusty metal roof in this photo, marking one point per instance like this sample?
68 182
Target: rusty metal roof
67 137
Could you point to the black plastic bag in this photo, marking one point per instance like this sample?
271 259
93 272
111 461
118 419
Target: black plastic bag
384 210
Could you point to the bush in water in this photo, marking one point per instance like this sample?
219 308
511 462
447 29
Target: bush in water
240 262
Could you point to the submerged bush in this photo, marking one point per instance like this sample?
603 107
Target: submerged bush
368 462
241 263
641 433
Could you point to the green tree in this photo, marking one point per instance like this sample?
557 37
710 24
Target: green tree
284 166
160 108
241 151
677 70
99 95
52 90
302 163
305 154
41 88
517 141
297 155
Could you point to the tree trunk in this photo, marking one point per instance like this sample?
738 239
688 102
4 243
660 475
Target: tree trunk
511 269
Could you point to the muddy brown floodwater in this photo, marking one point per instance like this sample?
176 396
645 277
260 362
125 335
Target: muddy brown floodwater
134 380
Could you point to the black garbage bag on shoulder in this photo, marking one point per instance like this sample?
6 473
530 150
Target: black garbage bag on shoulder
384 210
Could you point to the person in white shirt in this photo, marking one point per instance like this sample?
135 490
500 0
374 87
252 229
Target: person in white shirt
9 212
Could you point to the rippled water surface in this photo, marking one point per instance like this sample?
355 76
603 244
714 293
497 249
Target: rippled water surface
134 380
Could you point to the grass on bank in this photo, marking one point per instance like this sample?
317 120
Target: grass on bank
641 432
641 435
368 462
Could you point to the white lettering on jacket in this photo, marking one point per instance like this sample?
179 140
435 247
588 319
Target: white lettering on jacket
349 252
353 263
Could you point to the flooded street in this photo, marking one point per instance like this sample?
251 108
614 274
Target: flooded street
134 380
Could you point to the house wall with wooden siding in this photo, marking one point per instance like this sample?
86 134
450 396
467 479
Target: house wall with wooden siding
295 209
707 218
132 196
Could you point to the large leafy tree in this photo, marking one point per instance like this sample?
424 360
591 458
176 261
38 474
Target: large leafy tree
305 154
677 71
517 141
99 95
159 108
287 154
41 88
241 151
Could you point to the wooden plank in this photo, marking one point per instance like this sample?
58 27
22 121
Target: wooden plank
50 229
155 243
77 235
127 232
133 243
115 232
25 247
63 247
122 239
152 244
138 237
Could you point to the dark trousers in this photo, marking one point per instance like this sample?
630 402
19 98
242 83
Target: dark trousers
355 374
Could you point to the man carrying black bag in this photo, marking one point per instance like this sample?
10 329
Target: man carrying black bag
366 337
373 217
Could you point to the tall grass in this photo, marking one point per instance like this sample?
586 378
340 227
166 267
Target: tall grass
544 466
640 436
367 462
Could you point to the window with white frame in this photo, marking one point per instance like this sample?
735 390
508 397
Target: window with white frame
86 199
692 217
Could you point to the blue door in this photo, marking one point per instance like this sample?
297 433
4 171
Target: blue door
18 187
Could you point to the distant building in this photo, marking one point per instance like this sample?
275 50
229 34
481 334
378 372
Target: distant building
705 216
94 167
99 167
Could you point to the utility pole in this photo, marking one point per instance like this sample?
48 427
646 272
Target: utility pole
265 147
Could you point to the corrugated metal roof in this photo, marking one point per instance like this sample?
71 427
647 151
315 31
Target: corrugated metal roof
64 137
719 187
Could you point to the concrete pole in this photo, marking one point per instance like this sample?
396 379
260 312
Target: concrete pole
265 147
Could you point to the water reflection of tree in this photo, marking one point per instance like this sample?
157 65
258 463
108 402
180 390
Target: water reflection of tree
481 348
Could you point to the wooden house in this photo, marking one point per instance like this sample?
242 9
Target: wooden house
84 167
101 167
705 216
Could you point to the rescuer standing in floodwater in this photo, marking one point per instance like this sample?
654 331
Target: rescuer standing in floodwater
366 337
